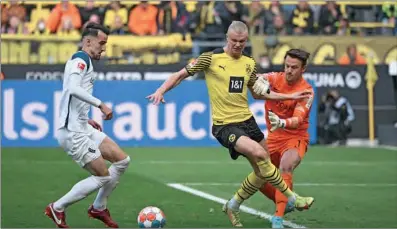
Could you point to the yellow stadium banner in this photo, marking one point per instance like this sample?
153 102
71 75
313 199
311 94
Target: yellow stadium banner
32 49
325 50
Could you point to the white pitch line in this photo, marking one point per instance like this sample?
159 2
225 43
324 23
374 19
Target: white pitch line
392 148
243 208
297 184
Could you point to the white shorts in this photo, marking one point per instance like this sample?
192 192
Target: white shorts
82 147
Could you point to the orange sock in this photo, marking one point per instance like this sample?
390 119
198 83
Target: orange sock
269 191
281 199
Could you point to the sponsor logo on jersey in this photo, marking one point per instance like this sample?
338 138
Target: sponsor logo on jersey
81 66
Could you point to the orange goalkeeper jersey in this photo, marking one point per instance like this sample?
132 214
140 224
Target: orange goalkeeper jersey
288 108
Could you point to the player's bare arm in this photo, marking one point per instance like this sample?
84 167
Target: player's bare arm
106 111
172 81
200 64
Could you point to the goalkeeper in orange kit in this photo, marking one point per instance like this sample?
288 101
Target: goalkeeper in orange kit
288 122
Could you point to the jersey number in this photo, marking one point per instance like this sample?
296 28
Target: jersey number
236 84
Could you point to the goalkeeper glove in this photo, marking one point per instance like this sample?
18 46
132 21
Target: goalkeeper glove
276 122
261 86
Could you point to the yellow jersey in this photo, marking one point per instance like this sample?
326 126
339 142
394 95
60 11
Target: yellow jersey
227 81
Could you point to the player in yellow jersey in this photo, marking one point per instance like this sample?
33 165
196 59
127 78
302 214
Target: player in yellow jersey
229 75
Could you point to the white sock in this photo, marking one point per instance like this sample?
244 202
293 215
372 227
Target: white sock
233 204
115 171
80 190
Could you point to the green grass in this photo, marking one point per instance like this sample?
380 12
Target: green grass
31 178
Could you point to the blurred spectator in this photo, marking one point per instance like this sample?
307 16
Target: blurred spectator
4 13
343 27
389 16
229 11
1 76
118 26
143 19
329 16
364 13
15 26
276 19
277 27
352 57
40 28
276 9
172 17
255 18
205 24
14 10
116 9
93 18
302 19
205 21
64 11
90 9
67 28
338 118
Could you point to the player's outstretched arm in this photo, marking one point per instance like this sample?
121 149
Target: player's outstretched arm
200 64
293 96
261 89
271 95
170 83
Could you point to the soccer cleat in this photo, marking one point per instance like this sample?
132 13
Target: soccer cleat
277 222
290 208
302 203
234 216
103 216
59 218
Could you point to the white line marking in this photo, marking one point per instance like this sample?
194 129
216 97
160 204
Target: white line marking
243 208
297 184
392 148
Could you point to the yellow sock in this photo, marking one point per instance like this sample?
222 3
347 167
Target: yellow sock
272 175
249 187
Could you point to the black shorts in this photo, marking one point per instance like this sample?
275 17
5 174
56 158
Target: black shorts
228 134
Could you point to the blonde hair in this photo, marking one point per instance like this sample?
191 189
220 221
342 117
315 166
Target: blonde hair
238 27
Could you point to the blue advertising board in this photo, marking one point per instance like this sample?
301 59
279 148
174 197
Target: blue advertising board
30 114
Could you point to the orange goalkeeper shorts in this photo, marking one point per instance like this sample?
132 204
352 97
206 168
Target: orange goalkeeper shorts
278 148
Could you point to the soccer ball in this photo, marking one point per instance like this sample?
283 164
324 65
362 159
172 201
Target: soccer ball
151 217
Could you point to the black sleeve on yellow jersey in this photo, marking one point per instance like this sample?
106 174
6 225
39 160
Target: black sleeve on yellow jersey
200 64
252 80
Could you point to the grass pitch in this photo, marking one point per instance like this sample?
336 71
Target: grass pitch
353 187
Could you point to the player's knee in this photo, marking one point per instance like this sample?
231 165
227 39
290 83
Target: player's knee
259 153
287 166
289 162
123 164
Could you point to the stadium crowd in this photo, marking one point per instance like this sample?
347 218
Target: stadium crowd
207 20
